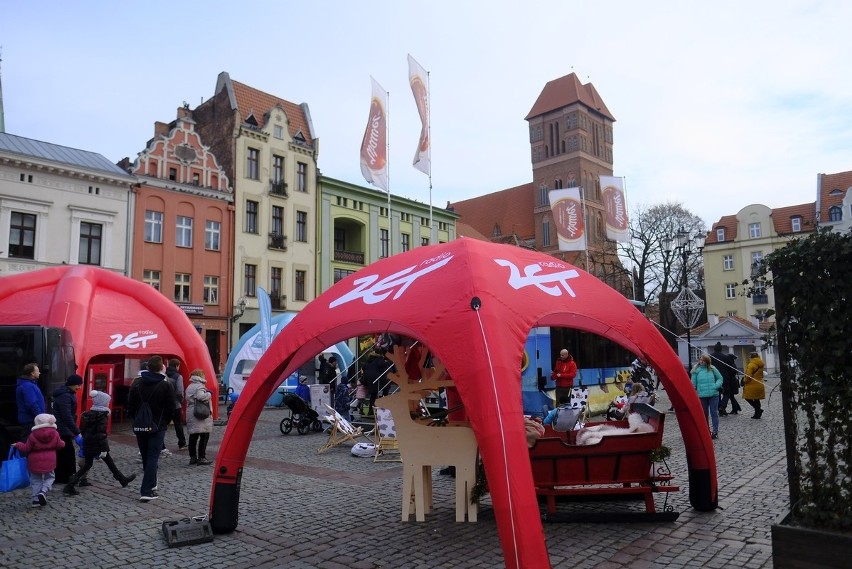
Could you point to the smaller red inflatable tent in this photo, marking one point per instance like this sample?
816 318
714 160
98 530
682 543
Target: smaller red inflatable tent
107 314
473 303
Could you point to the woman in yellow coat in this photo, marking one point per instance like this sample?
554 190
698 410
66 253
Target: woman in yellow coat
753 387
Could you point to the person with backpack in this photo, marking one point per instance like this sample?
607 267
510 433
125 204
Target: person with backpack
65 410
151 402
96 443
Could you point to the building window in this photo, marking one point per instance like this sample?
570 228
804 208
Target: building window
90 243
151 278
211 290
339 239
252 208
183 233
384 243
196 179
424 241
405 217
252 164
732 313
277 169
250 280
301 226
22 235
173 174
728 262
300 285
277 220
443 226
424 222
542 195
406 242
730 290
835 213
154 226
278 131
545 233
213 235
275 275
301 177
182 286
720 234
754 230
340 274
756 261
796 224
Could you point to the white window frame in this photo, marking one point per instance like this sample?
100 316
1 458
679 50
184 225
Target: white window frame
213 235
728 263
730 290
183 231
211 289
796 224
153 226
183 287
151 277
720 234
754 230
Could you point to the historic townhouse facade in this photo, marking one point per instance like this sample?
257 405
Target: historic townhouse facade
60 205
183 238
356 228
738 243
266 146
834 201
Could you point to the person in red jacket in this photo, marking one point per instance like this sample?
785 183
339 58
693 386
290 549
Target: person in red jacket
564 372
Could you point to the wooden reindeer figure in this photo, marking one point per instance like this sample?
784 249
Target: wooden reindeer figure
422 446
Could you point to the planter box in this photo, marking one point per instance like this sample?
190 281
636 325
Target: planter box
795 547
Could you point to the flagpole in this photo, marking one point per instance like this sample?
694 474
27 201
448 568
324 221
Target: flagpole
433 236
387 153
585 225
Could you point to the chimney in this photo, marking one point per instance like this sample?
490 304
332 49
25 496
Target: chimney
712 319
160 129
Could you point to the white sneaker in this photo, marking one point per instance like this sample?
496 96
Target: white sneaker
165 452
147 498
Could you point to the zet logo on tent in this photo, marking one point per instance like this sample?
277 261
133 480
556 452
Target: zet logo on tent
372 290
133 341
542 282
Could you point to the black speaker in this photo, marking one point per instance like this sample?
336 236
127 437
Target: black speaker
187 531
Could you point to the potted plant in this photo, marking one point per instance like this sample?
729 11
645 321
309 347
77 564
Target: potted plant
812 281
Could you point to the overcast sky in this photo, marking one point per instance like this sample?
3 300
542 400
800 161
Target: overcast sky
717 104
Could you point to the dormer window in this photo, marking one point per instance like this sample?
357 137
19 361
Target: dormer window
796 224
251 120
835 213
720 234
835 192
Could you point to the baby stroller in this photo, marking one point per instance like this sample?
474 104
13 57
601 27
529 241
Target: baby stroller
301 416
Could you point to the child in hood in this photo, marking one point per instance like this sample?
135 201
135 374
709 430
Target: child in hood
40 449
95 443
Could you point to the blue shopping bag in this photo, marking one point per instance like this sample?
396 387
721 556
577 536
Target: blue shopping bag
14 473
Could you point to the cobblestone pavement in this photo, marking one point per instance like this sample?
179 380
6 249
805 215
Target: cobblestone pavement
300 509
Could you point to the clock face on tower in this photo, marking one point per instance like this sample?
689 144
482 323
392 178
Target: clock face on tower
186 153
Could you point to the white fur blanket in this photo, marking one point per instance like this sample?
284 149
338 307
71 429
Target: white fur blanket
594 435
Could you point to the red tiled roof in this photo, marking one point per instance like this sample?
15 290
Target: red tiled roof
567 91
827 184
465 230
706 325
251 101
782 216
510 209
729 223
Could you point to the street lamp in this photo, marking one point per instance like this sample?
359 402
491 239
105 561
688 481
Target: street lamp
239 309
687 306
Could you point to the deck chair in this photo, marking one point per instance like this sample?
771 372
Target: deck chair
387 445
341 430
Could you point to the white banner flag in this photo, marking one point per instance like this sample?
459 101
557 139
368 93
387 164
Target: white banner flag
612 193
374 147
418 79
567 208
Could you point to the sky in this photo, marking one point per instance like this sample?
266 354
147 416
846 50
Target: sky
718 105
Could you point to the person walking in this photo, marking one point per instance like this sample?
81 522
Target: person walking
93 427
199 428
176 381
29 398
40 449
564 372
708 383
726 363
153 390
753 387
65 410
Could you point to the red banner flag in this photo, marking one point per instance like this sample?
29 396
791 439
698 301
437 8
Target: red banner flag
418 78
374 147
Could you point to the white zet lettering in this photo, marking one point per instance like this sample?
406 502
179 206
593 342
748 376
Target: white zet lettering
372 290
542 282
132 341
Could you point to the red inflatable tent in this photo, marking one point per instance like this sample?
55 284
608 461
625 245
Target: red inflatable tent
107 314
473 303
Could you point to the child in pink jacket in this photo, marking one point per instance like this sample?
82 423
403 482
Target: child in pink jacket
40 450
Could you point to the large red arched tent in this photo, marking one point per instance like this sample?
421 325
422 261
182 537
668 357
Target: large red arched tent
108 315
473 303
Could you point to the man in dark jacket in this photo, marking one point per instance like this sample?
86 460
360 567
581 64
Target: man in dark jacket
176 381
152 388
65 410
29 398
726 363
